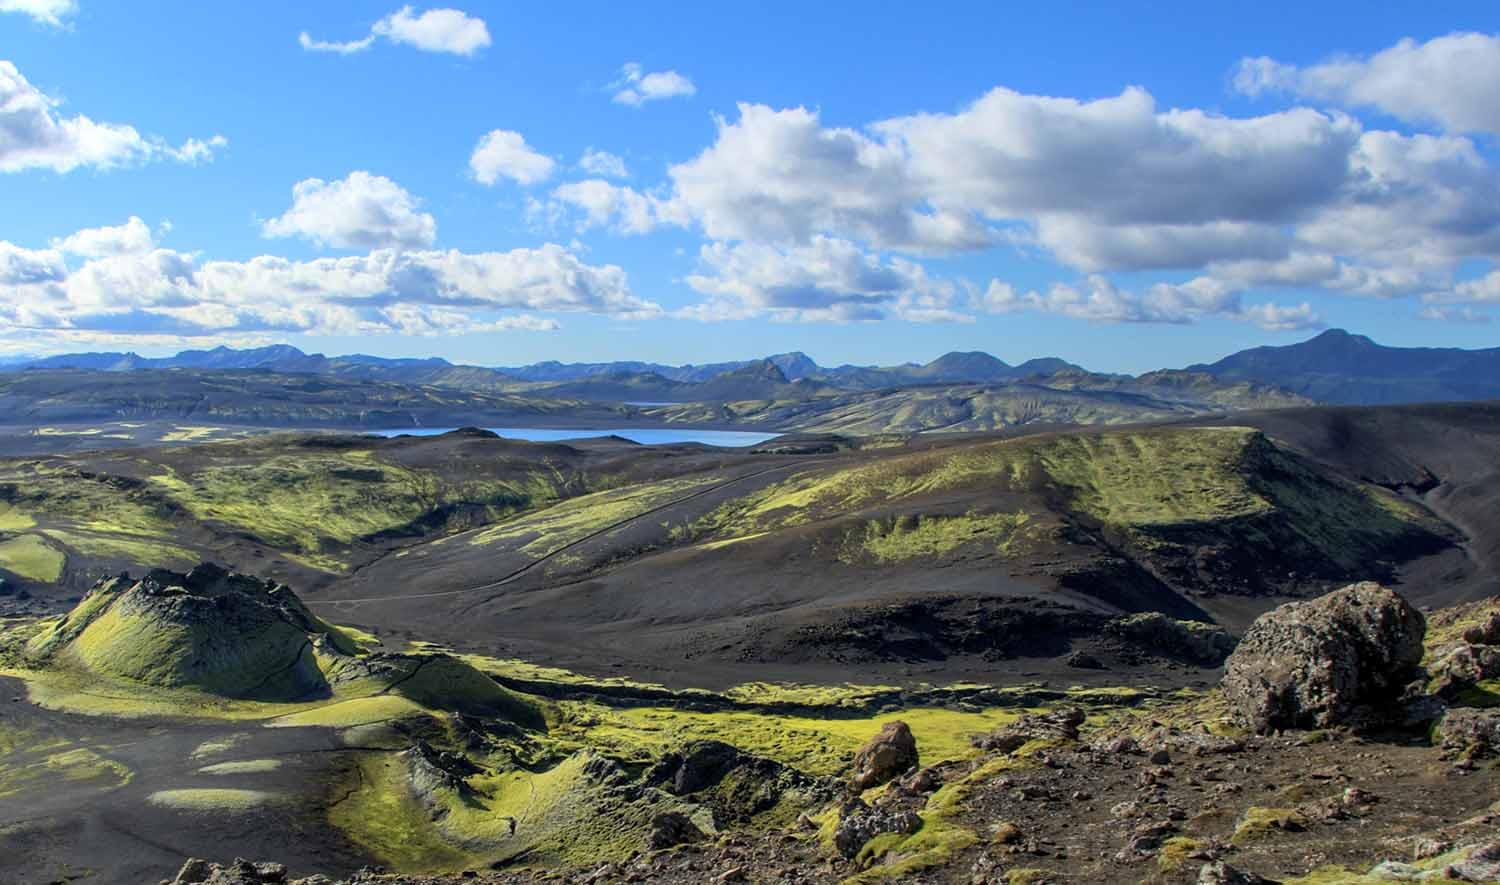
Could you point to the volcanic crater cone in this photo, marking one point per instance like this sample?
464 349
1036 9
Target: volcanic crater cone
210 630
242 638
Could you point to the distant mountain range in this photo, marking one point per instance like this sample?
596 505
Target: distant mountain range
782 376
1334 367
1338 367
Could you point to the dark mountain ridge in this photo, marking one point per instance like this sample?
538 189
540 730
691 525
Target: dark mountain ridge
970 367
1334 367
1339 367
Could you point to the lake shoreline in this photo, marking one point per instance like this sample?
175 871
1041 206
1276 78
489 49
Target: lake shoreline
647 436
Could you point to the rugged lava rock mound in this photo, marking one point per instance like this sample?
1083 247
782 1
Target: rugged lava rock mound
1195 642
210 630
1331 661
734 785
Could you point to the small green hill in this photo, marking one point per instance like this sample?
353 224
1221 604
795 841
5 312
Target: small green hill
238 637
224 634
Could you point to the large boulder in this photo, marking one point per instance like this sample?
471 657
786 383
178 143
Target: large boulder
889 754
1486 632
1330 661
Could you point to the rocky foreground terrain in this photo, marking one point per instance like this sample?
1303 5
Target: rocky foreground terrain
1352 740
998 658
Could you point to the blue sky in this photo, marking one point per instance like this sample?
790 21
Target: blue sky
1127 189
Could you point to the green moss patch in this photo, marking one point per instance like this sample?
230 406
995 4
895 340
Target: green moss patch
244 766
381 815
1176 852
266 657
131 548
211 799
819 746
32 558
28 767
942 835
13 519
314 504
1259 822
356 711
924 537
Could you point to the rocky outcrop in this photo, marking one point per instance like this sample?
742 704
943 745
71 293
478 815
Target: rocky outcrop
1220 873
859 823
436 773
242 872
1192 641
1470 732
698 766
1486 632
1342 659
1481 865
888 755
735 785
1058 725
672 828
1461 665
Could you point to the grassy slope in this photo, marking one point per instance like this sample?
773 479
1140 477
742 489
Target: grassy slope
328 506
1154 489
318 505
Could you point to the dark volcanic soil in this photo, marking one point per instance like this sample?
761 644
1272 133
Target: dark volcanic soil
62 826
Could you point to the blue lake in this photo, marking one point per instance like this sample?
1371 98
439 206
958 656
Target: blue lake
651 436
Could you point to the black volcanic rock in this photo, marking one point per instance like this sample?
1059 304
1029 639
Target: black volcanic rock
1325 663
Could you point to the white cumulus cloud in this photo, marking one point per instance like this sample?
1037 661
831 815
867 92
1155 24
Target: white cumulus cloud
1107 184
1451 81
134 237
1481 290
603 163
606 204
502 153
361 211
637 86
47 12
120 285
1295 199
825 280
435 30
1099 300
33 135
